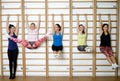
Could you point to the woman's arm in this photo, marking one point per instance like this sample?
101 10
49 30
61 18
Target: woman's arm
17 26
109 28
38 25
62 27
7 24
86 24
101 31
62 30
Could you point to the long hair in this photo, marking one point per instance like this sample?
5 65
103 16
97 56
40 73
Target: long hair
104 25
58 26
10 26
83 32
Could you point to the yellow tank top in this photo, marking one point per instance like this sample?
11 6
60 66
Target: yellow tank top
82 39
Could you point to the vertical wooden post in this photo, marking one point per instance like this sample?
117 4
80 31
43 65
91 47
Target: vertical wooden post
62 21
117 35
1 73
46 25
94 36
23 36
70 24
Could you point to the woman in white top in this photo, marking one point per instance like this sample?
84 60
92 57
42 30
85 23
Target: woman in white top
32 41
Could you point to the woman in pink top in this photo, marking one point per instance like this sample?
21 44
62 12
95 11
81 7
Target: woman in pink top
32 41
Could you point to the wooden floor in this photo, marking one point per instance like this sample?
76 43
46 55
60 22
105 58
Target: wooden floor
34 78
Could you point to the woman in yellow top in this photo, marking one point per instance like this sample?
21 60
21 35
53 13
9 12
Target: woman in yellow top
82 37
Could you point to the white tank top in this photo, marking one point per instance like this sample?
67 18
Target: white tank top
32 35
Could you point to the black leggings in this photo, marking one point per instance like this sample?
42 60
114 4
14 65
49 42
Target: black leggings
12 56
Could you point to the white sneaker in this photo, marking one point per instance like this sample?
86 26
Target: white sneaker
113 66
116 65
55 55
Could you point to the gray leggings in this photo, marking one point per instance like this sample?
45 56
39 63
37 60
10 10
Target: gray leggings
81 47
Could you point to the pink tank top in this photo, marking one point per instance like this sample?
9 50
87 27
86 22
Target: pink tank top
32 35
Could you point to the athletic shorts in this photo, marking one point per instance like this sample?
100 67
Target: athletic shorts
106 50
57 48
31 42
81 47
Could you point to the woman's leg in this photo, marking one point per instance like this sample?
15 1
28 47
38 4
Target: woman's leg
23 42
10 62
59 52
42 39
15 40
38 43
113 59
109 60
15 54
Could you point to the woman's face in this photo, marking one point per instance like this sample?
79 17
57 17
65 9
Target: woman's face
32 26
56 28
12 29
81 28
105 28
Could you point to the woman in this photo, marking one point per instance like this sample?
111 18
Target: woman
57 46
82 37
12 48
32 41
105 44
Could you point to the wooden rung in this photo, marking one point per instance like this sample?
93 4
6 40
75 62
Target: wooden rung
7 59
105 71
78 1
10 1
101 53
11 8
82 64
58 59
82 58
58 64
103 65
9 71
34 1
82 71
34 8
58 1
106 8
58 71
35 65
35 70
106 14
8 64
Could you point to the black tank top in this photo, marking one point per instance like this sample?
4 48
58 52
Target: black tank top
105 40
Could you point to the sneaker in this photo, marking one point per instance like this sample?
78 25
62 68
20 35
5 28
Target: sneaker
113 66
116 65
55 55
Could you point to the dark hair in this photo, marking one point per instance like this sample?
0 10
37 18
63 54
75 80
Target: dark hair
58 26
11 25
104 25
83 32
33 24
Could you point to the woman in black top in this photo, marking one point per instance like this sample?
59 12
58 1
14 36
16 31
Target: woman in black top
105 45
